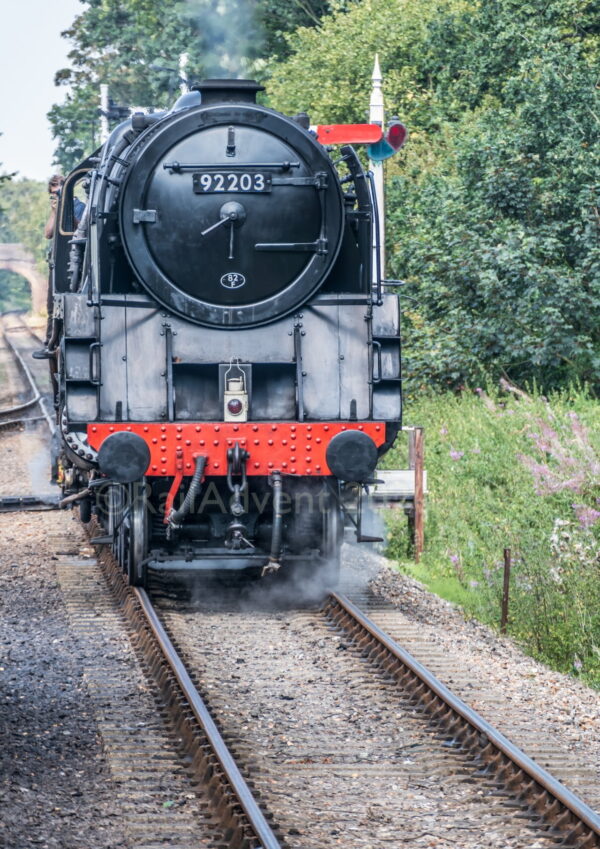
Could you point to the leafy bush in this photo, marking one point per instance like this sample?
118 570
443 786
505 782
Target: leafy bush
493 217
520 473
15 293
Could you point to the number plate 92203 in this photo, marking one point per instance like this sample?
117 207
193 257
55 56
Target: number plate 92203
206 182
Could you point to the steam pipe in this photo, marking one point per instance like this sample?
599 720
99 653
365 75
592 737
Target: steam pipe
176 517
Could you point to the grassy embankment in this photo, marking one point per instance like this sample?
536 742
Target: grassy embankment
519 472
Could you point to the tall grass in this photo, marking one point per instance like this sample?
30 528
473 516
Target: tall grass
510 470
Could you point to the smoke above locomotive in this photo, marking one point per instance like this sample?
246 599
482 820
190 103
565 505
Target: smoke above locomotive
230 33
220 329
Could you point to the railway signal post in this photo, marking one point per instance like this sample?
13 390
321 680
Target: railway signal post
377 116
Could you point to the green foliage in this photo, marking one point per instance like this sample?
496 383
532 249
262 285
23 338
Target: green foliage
492 209
115 43
503 252
280 17
25 212
15 293
518 473
75 123
329 71
118 43
14 289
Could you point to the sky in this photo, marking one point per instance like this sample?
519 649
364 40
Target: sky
31 51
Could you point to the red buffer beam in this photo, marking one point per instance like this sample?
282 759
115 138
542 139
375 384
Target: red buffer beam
296 449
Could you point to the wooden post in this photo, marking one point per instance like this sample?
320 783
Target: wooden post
505 591
419 459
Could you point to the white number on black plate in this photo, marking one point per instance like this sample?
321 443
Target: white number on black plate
206 182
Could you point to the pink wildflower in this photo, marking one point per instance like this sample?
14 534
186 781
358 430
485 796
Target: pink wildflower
457 455
587 516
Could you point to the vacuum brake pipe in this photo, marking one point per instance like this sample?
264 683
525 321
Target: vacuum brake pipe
176 517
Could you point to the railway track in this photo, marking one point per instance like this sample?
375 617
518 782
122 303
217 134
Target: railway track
231 815
428 763
27 406
20 340
517 801
542 798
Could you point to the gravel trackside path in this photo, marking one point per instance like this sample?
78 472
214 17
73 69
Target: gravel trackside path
86 761
55 788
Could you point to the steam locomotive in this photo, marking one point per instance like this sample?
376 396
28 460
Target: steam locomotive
227 358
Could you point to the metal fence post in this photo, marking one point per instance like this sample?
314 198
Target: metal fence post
505 591
419 462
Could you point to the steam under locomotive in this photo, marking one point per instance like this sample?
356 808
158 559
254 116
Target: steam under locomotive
227 366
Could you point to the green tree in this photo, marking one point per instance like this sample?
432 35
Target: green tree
279 18
134 46
116 43
25 212
500 242
492 208
15 293
14 289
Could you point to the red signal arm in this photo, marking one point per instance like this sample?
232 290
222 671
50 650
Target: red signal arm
348 133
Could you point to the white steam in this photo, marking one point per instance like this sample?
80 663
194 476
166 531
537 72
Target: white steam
231 35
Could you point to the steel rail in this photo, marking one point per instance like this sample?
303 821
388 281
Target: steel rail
17 328
244 795
485 732
38 397
6 424
20 503
8 411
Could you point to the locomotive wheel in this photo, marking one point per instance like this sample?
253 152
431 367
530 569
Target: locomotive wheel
85 510
114 501
137 536
333 530
321 571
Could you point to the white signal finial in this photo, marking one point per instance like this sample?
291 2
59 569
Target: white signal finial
377 116
376 102
376 77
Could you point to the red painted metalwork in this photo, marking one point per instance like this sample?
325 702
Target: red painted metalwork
293 448
348 133
179 471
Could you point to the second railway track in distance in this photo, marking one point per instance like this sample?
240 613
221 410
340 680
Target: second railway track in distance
341 735
31 396
27 406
